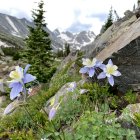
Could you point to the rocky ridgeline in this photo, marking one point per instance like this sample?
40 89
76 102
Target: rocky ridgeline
121 42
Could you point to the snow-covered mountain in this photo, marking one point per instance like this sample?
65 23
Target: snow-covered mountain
17 29
14 31
76 40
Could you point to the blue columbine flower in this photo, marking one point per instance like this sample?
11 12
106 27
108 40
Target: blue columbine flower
19 78
53 111
90 66
109 71
72 87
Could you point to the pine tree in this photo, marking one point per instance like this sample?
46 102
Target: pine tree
39 51
116 15
67 49
109 21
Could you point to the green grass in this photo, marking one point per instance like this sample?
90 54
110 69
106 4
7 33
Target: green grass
27 117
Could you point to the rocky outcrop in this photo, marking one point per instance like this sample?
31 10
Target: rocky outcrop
121 43
128 61
111 35
62 94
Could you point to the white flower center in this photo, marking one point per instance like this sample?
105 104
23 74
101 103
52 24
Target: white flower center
111 69
72 85
88 63
17 75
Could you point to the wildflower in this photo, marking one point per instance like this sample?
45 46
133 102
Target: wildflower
71 87
89 66
109 71
30 90
19 78
82 91
11 107
33 90
88 63
53 111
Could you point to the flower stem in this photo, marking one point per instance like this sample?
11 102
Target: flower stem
35 121
48 121
24 92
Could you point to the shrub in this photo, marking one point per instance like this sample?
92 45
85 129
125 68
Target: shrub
12 51
94 126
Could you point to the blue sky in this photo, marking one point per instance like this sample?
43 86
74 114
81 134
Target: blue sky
73 15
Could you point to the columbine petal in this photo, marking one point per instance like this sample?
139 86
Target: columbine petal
28 78
82 91
11 107
101 75
111 80
91 72
94 61
17 74
72 87
52 113
26 68
17 88
98 63
110 62
12 84
117 73
101 66
20 71
86 61
108 75
84 70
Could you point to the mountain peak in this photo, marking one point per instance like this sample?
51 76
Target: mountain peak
76 40
19 28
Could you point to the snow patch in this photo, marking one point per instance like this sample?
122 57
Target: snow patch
15 34
12 24
64 36
5 44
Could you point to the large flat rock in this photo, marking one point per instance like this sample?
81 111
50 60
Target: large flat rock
121 43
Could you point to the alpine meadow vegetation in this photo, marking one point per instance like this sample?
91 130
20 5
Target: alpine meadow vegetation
83 111
76 101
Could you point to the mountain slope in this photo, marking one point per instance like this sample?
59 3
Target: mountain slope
14 30
17 29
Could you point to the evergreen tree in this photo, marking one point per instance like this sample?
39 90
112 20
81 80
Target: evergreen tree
39 51
116 15
67 49
109 21
59 53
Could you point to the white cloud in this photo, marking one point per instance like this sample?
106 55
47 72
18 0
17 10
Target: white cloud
63 13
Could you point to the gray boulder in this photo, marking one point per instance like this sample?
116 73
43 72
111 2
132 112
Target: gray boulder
121 43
